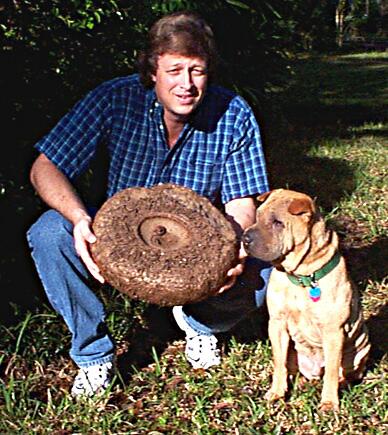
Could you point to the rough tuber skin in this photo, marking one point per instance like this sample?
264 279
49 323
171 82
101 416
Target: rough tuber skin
165 245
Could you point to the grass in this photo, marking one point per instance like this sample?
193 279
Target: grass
330 142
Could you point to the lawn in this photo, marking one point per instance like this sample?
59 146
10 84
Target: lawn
328 138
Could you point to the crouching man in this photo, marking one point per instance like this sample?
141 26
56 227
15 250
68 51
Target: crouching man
167 124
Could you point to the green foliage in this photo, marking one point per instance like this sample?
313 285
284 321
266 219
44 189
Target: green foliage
57 50
63 48
366 18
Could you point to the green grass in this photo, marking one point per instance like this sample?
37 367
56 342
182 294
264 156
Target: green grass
331 142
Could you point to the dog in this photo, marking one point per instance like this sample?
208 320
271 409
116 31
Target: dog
315 319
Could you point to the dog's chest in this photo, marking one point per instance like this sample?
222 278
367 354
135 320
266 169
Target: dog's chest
305 319
303 316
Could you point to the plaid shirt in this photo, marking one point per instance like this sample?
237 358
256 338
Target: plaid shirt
218 154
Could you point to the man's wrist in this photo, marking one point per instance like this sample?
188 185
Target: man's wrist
79 215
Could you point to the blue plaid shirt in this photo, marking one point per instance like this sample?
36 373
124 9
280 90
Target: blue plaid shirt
218 154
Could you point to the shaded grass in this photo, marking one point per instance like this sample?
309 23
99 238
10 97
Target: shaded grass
331 143
331 92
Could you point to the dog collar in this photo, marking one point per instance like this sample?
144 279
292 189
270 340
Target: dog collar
311 281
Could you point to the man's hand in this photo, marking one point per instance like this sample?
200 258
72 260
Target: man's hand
236 271
83 235
57 192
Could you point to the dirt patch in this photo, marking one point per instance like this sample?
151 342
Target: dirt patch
165 245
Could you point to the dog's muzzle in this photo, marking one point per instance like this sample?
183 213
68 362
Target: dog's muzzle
247 240
257 245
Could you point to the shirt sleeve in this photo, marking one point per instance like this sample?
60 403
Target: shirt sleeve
245 169
72 143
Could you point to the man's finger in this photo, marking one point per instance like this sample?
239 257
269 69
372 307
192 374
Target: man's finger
230 283
92 267
83 235
238 270
84 228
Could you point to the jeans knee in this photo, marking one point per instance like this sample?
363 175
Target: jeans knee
50 230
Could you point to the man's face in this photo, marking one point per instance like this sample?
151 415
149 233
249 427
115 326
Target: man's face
180 84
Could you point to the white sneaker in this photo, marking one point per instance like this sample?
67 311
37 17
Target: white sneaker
201 350
92 380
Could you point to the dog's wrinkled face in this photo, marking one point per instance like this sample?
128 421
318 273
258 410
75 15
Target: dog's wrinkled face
283 223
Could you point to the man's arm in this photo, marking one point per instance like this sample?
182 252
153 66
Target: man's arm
56 190
241 212
58 193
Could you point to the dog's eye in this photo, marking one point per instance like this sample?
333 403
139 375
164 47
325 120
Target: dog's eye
277 223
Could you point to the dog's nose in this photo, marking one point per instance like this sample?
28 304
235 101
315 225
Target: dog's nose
246 239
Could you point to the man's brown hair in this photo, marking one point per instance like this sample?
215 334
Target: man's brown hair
184 33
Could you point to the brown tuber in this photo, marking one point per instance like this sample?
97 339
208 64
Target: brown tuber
165 245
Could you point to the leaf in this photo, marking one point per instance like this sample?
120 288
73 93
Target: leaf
97 17
239 4
222 405
275 12
172 384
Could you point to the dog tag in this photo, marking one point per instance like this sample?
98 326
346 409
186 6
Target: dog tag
315 294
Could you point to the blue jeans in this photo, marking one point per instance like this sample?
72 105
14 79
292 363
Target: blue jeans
68 287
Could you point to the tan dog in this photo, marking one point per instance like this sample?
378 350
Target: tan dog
315 317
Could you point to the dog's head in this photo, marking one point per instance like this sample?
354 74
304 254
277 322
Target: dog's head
283 223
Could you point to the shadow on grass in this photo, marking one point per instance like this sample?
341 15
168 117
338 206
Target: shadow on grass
157 331
377 325
368 262
20 286
377 133
332 93
328 99
330 178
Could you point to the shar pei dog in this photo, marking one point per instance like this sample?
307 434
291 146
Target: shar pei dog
315 319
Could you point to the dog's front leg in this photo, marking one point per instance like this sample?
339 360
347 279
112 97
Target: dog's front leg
333 340
280 339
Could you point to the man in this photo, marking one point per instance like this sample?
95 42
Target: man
166 125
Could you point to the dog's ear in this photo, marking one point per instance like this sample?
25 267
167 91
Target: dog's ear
263 196
300 206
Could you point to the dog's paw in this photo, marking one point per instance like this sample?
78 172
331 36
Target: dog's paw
272 395
328 406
